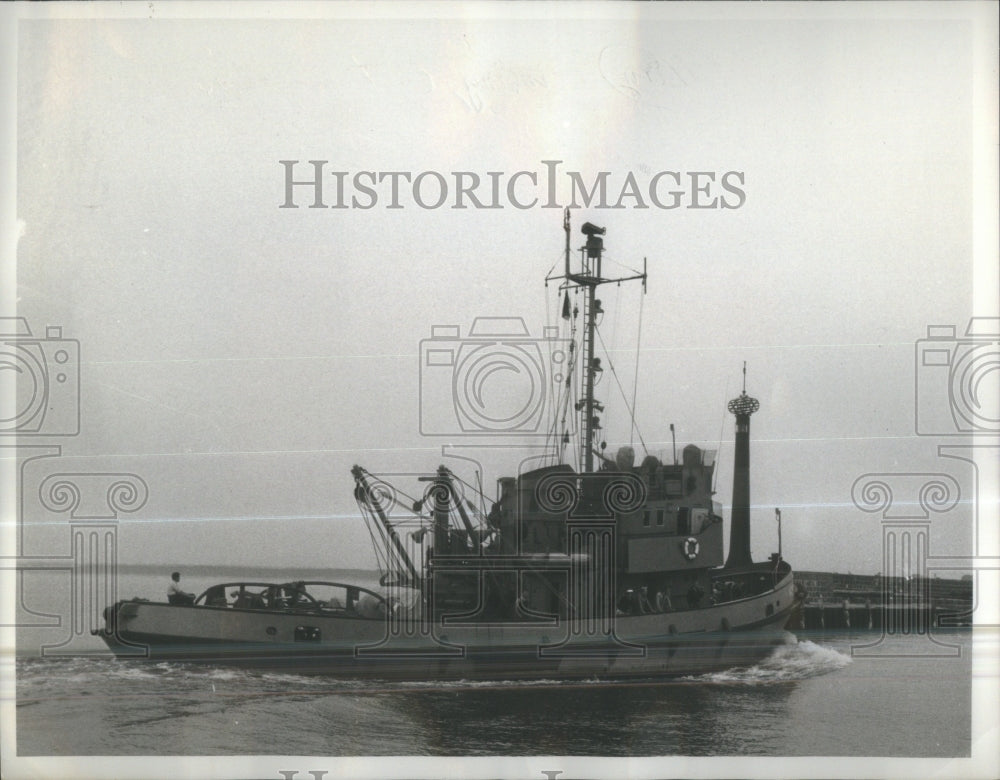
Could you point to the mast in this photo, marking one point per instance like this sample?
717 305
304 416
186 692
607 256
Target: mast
593 249
589 279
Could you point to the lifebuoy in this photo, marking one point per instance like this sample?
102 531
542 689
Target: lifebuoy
690 547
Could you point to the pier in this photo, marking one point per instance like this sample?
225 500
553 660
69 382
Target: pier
840 602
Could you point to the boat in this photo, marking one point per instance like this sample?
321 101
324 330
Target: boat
583 566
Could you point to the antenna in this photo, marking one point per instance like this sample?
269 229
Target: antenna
566 228
744 376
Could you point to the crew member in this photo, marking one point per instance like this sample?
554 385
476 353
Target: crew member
694 594
175 595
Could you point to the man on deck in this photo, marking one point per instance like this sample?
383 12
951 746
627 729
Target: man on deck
175 595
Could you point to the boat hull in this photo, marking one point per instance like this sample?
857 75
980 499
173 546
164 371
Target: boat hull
686 642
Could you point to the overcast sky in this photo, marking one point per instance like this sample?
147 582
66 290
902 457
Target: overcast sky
240 357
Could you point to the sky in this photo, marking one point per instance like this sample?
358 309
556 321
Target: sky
240 357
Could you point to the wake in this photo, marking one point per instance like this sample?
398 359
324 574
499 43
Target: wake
797 660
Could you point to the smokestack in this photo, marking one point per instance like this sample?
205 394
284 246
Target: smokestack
739 526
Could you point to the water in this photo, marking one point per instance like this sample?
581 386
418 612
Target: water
808 698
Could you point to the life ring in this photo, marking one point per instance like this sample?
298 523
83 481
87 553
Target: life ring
690 547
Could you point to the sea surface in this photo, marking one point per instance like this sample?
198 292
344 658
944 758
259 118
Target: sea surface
810 697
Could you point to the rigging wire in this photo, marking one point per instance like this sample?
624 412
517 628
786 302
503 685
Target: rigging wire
381 559
396 489
474 489
635 380
552 434
390 560
391 557
479 515
628 406
558 428
614 343
718 454
551 438
482 495
607 259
